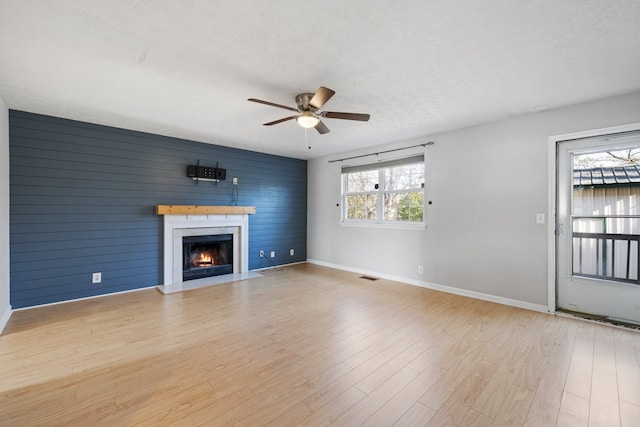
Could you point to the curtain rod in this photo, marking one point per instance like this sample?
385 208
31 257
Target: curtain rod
382 152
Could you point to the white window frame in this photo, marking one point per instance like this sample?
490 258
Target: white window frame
380 222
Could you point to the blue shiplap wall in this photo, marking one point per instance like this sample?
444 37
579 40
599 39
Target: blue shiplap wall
83 200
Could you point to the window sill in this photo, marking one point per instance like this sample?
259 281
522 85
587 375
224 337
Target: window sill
387 225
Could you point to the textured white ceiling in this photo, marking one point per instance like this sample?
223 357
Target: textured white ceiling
186 68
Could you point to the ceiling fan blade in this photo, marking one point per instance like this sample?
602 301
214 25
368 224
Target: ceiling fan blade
259 101
322 128
275 122
321 97
346 116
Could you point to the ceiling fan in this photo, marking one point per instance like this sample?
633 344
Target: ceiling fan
308 115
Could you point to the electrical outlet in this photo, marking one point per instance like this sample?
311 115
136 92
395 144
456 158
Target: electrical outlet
235 181
261 254
96 278
292 252
420 270
273 254
540 218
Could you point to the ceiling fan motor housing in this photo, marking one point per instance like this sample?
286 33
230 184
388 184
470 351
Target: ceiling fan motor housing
303 100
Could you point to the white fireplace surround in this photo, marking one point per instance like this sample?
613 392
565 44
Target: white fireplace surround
177 226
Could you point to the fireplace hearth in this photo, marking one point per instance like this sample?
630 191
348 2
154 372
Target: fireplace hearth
206 256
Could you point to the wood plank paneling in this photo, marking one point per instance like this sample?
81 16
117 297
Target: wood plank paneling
84 196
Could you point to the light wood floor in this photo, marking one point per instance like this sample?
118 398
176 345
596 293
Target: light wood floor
307 345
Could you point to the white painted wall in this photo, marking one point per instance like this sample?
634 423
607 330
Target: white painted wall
5 308
487 183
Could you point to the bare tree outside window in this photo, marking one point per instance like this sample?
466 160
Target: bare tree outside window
402 202
626 157
396 191
362 200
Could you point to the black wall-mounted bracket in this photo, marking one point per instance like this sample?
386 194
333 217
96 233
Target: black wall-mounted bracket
205 173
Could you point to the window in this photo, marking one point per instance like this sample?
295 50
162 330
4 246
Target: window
389 192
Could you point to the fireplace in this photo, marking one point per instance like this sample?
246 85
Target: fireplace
206 256
223 237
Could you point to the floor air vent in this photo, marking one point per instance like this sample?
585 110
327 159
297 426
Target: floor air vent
373 279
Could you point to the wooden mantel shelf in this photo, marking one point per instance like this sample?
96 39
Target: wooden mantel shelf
204 210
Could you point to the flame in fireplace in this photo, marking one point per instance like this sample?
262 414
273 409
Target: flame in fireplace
204 259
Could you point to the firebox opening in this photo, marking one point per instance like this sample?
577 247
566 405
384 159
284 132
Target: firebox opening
206 256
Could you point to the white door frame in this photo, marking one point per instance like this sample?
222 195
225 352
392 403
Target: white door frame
551 227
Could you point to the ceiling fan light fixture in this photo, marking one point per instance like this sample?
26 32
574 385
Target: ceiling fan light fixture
307 120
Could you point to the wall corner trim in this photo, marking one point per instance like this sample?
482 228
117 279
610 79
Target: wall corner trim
5 318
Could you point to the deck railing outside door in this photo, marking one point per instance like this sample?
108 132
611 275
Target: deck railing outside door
606 255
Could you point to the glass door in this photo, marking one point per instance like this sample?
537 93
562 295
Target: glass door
598 227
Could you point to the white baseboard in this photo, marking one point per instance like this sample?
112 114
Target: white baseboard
437 287
5 318
84 298
272 267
